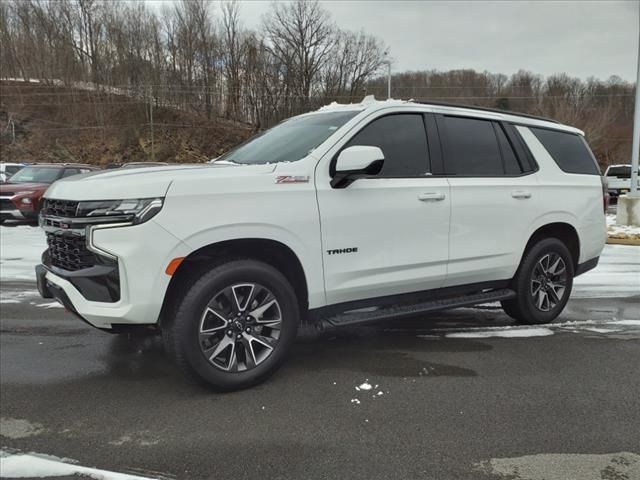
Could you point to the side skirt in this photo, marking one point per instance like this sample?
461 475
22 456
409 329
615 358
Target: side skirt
398 306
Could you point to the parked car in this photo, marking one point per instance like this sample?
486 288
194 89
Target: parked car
20 196
7 169
342 216
618 179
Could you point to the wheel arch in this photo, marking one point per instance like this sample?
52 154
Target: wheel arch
565 232
269 251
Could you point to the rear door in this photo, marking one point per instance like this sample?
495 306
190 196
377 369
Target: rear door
388 233
493 193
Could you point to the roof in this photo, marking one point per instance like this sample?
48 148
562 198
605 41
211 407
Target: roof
371 104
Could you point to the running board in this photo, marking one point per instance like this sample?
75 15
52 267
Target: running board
355 317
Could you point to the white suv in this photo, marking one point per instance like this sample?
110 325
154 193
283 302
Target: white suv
350 214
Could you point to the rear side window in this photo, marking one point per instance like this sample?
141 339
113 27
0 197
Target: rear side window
471 147
569 150
511 163
68 172
403 141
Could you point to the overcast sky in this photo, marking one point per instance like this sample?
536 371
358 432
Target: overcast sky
581 38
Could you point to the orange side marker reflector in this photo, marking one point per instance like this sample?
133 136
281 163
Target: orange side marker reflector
173 266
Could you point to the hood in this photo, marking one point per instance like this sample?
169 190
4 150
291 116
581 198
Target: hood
20 187
142 182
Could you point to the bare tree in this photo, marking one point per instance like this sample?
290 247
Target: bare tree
300 35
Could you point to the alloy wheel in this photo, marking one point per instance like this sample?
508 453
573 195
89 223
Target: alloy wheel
548 282
240 327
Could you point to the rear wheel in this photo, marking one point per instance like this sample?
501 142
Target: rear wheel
235 325
542 283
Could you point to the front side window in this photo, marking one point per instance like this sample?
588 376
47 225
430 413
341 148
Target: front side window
403 141
36 175
289 141
471 147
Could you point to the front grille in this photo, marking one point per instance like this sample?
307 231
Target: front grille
8 194
60 208
6 204
69 252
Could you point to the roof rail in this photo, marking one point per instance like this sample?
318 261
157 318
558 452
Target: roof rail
487 109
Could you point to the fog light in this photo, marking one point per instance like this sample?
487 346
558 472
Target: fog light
26 201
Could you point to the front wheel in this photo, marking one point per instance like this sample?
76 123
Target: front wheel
235 325
542 283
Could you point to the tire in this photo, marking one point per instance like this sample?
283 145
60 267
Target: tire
541 283
234 326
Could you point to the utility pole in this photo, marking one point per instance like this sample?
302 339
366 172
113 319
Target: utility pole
388 79
628 210
153 150
635 149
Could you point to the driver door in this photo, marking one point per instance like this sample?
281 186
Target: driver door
388 233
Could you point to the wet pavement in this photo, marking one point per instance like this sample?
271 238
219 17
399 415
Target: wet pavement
447 406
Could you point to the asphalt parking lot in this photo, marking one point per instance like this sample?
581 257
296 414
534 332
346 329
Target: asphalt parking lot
448 400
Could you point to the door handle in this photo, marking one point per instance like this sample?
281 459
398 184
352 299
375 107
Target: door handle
431 197
520 194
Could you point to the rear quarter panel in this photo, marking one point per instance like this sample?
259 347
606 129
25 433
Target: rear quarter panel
570 198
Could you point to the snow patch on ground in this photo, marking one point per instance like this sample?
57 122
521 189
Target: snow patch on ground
141 439
16 296
365 386
621 231
30 465
631 323
49 305
18 428
555 466
20 251
502 332
590 326
617 274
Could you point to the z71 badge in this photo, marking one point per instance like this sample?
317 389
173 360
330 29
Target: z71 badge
292 179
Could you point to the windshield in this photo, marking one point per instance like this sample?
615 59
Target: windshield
36 175
289 141
620 172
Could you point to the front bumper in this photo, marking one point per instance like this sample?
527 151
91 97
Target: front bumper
142 252
15 214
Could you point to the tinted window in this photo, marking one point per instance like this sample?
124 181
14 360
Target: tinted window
620 172
36 174
289 141
70 171
402 139
569 150
11 169
511 164
471 147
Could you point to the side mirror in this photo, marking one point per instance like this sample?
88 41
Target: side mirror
356 161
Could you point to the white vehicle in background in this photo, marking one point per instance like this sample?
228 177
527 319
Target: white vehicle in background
8 169
618 178
346 215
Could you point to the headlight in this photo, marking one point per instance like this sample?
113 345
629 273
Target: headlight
133 210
